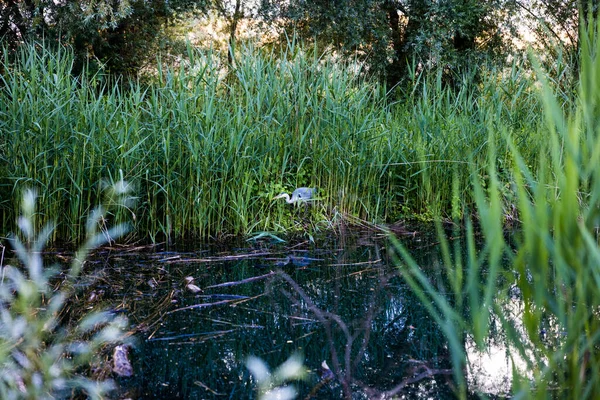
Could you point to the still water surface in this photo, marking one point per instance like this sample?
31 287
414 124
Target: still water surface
342 302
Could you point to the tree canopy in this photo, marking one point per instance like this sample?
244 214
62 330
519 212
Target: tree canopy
394 33
390 35
117 33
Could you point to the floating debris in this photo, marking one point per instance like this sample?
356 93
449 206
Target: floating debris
189 285
121 364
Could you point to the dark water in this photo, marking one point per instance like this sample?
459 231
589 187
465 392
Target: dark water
341 302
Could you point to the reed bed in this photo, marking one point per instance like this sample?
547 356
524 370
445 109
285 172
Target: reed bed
207 148
537 289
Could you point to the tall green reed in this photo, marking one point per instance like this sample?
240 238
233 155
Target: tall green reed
548 272
207 148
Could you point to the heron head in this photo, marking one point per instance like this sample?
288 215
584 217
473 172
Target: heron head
281 196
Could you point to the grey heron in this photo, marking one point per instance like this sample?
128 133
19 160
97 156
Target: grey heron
300 194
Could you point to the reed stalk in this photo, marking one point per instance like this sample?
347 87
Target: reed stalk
207 148
537 287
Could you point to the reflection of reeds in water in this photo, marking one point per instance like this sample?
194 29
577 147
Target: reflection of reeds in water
356 346
245 307
552 260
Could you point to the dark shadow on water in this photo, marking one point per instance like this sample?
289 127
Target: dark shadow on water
343 304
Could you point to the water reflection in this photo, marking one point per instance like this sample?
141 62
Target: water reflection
490 370
345 305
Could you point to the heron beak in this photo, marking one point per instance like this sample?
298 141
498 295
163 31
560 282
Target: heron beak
278 197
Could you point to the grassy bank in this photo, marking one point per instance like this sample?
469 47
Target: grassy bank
206 151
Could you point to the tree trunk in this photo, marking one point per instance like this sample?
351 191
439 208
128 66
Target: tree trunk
235 19
400 36
394 70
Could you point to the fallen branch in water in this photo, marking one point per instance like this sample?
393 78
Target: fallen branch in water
177 259
346 362
216 303
235 283
202 305
389 394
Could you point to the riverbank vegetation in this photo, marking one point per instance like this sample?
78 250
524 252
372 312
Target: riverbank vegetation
539 286
207 148
45 350
206 143
349 99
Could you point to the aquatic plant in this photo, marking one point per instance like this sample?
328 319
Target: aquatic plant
541 287
43 354
274 385
208 151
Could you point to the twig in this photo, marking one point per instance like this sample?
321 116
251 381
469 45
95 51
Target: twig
407 381
366 323
202 385
235 283
216 303
176 259
325 318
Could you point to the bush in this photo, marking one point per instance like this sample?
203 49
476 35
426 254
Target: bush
41 355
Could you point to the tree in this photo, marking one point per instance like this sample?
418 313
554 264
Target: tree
391 34
232 12
553 21
117 33
556 26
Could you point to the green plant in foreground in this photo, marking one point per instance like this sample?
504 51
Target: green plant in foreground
273 386
40 355
542 290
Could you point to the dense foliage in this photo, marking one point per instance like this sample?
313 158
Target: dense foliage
208 151
391 34
121 35
539 286
43 353
207 148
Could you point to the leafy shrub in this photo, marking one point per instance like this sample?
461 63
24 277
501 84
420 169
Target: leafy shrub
40 354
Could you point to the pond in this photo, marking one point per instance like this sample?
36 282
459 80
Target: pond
198 314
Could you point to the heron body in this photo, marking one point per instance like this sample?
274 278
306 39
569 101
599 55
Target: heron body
300 194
